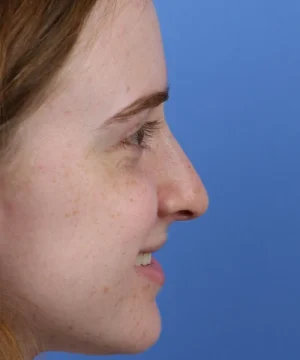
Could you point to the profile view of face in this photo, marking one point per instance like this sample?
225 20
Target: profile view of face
93 191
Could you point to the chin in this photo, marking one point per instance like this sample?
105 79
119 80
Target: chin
142 336
143 342
133 338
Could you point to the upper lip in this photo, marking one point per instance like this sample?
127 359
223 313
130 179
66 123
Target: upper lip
154 248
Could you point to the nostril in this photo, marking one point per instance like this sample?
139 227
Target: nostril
185 215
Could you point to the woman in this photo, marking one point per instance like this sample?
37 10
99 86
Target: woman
91 176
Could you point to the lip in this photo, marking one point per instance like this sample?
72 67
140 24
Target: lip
154 272
153 248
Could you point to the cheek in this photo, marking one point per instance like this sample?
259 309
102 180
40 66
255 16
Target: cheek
125 216
78 232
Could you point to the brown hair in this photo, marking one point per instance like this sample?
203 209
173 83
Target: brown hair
36 39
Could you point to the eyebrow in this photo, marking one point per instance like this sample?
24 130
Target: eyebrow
143 103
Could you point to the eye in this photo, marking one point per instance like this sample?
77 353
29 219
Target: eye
142 136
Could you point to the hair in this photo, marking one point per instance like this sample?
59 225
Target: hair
36 39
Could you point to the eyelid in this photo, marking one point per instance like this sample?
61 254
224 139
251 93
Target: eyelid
120 135
148 129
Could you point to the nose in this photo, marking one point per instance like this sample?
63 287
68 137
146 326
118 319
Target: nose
181 193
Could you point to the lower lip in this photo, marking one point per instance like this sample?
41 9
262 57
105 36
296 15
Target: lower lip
153 271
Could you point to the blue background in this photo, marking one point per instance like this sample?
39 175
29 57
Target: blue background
233 289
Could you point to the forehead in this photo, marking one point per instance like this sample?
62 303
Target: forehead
119 59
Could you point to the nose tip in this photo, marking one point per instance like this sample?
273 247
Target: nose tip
194 202
184 199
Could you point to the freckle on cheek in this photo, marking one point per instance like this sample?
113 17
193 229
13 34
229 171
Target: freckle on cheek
119 302
68 112
147 287
41 167
105 290
9 207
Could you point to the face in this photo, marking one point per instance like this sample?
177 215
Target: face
88 197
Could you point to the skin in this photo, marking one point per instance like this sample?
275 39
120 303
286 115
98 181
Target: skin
80 209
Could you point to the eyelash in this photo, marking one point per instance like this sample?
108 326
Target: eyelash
143 135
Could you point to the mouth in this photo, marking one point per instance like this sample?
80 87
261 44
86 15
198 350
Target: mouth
148 266
143 259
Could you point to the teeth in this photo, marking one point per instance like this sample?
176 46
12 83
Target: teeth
143 259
